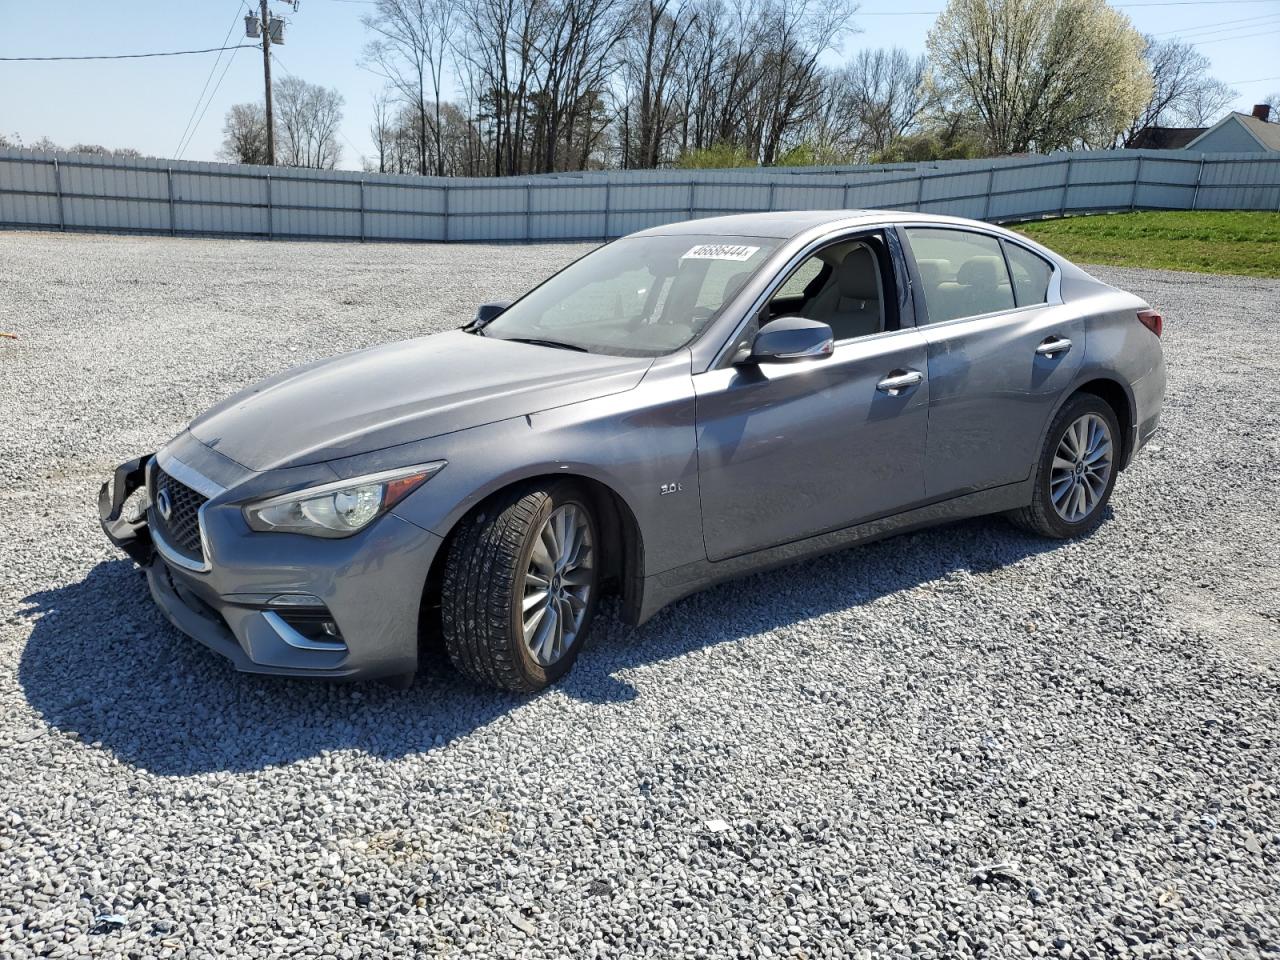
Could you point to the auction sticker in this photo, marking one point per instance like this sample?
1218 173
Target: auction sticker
720 251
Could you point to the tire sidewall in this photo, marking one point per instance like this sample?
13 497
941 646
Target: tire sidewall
558 496
1074 410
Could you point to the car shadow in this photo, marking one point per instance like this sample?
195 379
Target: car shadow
103 664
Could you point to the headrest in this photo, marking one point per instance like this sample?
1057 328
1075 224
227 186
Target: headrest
858 275
934 272
981 272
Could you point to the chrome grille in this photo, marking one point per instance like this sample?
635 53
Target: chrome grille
180 529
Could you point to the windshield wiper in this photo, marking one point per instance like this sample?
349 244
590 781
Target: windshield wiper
558 344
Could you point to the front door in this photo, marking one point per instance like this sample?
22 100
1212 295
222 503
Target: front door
791 450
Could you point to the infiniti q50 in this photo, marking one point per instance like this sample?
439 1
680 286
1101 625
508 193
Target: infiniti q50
683 405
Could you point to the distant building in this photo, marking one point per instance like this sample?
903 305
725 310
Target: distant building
1240 133
1164 138
1234 133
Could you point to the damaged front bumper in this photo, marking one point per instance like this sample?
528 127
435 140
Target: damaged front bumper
275 603
130 534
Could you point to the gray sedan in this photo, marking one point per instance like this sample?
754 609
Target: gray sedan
684 405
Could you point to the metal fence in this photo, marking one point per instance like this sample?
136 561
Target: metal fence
84 192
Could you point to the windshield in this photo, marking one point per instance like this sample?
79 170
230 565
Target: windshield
639 296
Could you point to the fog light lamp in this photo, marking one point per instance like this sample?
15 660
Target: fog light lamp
295 600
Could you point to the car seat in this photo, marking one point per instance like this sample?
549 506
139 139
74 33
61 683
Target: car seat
851 301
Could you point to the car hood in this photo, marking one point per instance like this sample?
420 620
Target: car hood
401 392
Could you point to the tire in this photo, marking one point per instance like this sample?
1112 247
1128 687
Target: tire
497 560
1071 503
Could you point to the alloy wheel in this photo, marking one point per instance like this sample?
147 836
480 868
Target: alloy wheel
1081 468
557 584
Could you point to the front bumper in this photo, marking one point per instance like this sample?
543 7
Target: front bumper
370 586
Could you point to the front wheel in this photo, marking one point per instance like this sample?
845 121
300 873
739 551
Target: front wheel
1076 471
520 588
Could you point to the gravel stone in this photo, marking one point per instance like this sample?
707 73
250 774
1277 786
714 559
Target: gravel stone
964 741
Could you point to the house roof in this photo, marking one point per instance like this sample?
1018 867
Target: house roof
1267 134
1164 138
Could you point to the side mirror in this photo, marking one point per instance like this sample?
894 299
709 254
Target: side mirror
789 339
487 311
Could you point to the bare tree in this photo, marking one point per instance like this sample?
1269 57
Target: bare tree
412 48
382 130
793 35
97 149
572 61
244 134
1206 104
880 97
1182 91
307 117
1042 74
657 31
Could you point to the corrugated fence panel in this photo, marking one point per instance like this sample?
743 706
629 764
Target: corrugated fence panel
718 197
960 194
1026 190
1230 184
1102 183
583 197
898 190
1166 184
809 196
79 191
663 199
28 194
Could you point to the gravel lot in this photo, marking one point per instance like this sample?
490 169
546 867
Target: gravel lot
964 742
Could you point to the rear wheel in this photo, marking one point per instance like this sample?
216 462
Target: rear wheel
1076 471
520 588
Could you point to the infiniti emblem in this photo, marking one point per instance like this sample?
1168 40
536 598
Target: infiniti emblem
164 503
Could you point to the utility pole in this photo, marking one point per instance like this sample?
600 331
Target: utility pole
266 76
271 29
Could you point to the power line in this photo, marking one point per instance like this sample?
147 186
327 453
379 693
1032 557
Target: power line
1198 36
183 138
934 13
1213 27
129 56
1254 80
1188 3
1240 36
221 77
276 57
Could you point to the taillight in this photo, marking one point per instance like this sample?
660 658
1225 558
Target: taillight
1152 321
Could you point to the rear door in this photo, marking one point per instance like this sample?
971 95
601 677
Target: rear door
790 450
1001 349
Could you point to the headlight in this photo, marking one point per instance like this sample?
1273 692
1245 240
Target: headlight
339 509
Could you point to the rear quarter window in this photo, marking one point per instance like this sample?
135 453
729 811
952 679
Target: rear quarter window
1030 272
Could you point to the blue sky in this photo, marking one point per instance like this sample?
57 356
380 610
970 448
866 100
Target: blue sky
147 103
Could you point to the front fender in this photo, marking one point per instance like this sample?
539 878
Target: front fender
638 444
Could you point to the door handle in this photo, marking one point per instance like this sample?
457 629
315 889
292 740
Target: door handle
1052 346
899 380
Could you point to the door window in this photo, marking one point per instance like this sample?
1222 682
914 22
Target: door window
842 285
963 273
1030 274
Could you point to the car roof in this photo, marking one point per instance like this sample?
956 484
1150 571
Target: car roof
785 224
